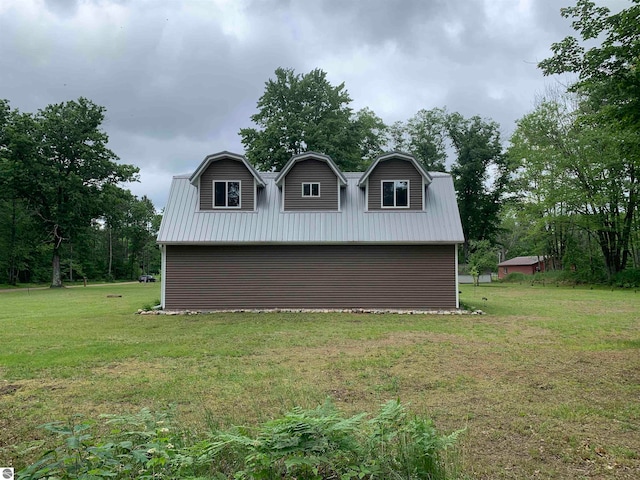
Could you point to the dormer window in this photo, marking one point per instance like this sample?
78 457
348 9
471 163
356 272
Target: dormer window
226 194
310 181
311 189
395 194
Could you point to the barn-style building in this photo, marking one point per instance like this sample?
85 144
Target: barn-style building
310 236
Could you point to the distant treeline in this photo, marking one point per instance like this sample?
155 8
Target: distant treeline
63 215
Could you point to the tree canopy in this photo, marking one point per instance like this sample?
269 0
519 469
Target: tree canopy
609 72
424 136
304 112
576 173
57 177
299 113
480 174
578 153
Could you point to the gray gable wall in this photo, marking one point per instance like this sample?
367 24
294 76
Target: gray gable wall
227 169
311 170
395 169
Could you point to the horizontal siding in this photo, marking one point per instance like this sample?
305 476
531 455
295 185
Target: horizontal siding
227 169
311 171
395 169
299 276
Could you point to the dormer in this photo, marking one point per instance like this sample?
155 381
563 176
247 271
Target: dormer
226 182
395 182
311 181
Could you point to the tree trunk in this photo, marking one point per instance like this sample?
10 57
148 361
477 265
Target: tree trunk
610 247
13 268
110 253
56 281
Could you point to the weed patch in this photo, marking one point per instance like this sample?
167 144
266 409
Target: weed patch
303 444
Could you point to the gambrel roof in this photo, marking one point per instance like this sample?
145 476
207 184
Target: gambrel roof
222 156
426 176
438 223
306 156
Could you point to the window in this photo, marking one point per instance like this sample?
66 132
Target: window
310 189
395 194
226 194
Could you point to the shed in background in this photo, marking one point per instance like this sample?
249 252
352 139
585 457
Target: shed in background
528 265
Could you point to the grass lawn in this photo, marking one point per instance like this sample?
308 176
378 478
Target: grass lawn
547 383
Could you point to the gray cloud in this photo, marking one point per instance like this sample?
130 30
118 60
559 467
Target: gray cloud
64 8
179 79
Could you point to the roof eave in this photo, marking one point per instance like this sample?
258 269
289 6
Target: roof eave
254 243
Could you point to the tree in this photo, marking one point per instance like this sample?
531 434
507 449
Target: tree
480 170
373 135
299 113
121 243
423 136
61 181
141 229
538 150
576 174
480 175
483 257
607 160
516 236
608 73
18 240
607 182
116 201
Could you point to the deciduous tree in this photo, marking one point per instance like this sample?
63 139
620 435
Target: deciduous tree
609 71
19 236
606 160
424 136
62 181
373 137
299 113
575 172
480 174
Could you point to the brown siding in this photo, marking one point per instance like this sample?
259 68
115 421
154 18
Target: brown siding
311 171
226 169
395 170
299 276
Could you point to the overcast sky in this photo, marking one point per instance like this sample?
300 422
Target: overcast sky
179 78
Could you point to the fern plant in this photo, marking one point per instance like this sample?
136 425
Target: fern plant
311 444
321 444
304 444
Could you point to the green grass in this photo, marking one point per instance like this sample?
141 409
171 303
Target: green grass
548 375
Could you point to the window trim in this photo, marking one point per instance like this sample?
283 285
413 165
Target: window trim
226 188
311 184
395 198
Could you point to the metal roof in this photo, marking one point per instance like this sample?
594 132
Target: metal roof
527 260
440 222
